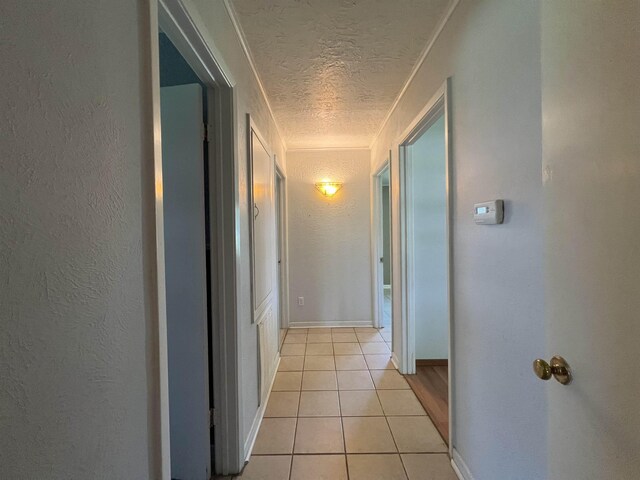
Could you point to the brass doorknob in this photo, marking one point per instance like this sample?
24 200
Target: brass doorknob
558 368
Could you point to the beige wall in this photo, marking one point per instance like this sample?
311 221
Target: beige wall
329 238
491 51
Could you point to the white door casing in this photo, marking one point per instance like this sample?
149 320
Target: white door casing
404 288
282 316
176 20
377 244
402 245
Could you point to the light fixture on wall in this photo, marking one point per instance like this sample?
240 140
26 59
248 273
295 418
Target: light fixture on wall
328 189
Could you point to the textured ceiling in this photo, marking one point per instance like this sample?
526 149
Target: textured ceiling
333 68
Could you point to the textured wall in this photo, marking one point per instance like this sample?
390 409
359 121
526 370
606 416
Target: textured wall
218 30
74 400
332 68
329 238
491 49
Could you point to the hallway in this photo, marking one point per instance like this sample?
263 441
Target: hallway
340 410
193 200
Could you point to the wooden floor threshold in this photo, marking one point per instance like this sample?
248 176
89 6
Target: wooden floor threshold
430 384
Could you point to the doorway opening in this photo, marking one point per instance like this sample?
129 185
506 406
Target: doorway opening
382 252
196 201
281 253
425 244
187 262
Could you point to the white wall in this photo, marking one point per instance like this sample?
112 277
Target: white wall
77 328
491 49
431 279
218 30
75 315
329 238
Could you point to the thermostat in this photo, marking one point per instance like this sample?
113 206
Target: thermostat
489 213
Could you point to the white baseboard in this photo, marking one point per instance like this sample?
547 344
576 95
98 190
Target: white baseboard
257 420
395 361
461 469
350 323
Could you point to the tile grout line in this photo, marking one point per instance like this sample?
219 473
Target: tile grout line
341 416
377 392
386 419
295 433
344 439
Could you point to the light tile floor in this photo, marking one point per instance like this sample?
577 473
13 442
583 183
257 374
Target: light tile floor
339 410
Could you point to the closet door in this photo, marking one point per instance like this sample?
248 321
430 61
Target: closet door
263 256
263 224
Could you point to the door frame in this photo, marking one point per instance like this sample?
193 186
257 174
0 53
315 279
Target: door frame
283 246
377 243
439 103
186 34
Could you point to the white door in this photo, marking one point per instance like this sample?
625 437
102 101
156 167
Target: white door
591 174
185 264
263 259
263 224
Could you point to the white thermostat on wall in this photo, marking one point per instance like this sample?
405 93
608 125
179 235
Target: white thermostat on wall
489 213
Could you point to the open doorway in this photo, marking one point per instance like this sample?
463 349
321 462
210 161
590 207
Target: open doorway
425 252
281 253
382 252
194 174
187 241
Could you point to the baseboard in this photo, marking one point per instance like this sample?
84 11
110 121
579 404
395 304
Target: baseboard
461 469
432 362
350 323
395 361
257 420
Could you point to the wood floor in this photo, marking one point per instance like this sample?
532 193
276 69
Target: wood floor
431 386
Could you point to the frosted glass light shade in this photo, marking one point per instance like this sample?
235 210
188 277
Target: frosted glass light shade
328 189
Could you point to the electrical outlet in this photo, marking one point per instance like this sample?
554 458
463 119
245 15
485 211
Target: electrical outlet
301 301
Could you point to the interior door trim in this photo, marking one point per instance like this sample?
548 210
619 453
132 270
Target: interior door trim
204 58
438 104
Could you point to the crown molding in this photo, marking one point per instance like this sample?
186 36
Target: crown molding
421 59
245 48
320 149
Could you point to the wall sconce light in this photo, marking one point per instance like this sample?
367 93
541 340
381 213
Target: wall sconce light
328 189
